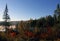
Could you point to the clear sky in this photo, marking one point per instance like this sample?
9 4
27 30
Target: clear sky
26 9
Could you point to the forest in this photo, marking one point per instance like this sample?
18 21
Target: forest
42 29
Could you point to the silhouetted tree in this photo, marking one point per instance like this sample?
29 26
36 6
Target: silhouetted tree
50 20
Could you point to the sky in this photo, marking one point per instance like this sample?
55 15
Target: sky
25 9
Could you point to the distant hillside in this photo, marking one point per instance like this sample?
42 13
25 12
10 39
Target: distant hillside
12 22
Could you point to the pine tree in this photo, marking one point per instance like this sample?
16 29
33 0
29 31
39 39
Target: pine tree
6 18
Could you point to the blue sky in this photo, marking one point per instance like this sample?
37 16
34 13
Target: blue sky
26 9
